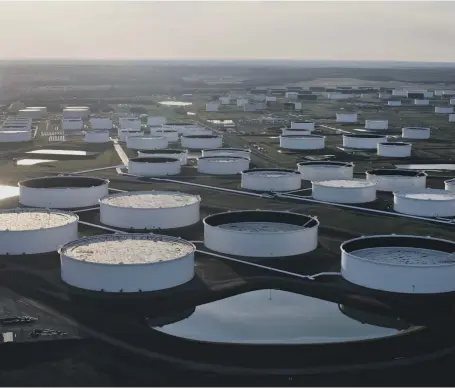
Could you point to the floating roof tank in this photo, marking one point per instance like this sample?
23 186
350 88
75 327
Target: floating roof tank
443 109
396 179
363 141
15 136
271 179
177 153
302 142
425 202
240 152
450 184
169 134
200 142
127 262
147 142
415 133
62 192
377 124
452 118
421 102
394 149
33 231
100 123
151 166
394 103
399 263
222 165
294 132
344 191
97 136
124 133
261 233
325 170
150 210
305 125
346 117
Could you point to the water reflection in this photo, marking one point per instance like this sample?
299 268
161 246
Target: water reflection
175 103
273 317
59 152
8 192
31 162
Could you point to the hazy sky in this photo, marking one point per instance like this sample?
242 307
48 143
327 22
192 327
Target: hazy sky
407 31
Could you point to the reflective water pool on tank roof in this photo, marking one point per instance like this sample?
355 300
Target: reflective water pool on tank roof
60 152
31 162
175 103
278 317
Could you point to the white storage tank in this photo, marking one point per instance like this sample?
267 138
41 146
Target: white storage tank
154 166
171 135
338 96
415 133
384 96
222 165
346 117
62 192
198 132
394 103
212 107
452 118
428 94
156 121
97 136
443 109
72 124
82 112
42 109
33 231
261 233
302 142
452 101
199 142
176 153
100 123
377 124
240 152
147 142
133 123
125 133
305 125
294 132
400 93
363 141
271 179
425 202
397 179
127 262
450 184
150 210
396 149
399 263
344 191
325 170
15 136
30 113
421 102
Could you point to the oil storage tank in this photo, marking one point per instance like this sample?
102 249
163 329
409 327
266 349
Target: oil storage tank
415 133
62 192
97 136
305 125
443 109
397 179
150 210
176 153
344 191
302 142
425 202
261 233
33 231
240 152
200 142
154 166
325 170
271 179
131 263
376 124
394 149
147 142
15 136
222 165
346 117
363 141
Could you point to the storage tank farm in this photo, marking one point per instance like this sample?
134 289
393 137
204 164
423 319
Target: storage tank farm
394 149
150 210
261 233
35 231
271 179
62 192
222 164
127 263
402 264
397 179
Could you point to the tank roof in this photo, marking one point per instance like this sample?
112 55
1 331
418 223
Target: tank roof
33 219
427 195
346 183
150 199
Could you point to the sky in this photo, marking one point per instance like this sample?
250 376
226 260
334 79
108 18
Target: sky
305 30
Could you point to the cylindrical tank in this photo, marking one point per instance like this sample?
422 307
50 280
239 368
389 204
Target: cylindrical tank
294 132
271 179
394 103
450 184
399 263
452 101
421 102
325 170
394 149
127 262
150 210
123 134
222 165
397 179
33 231
100 123
377 124
344 191
169 134
147 142
97 137
452 118
240 152
305 125
415 133
30 113
363 141
62 192
425 203
302 142
177 153
201 142
443 109
15 136
154 166
346 117
260 233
